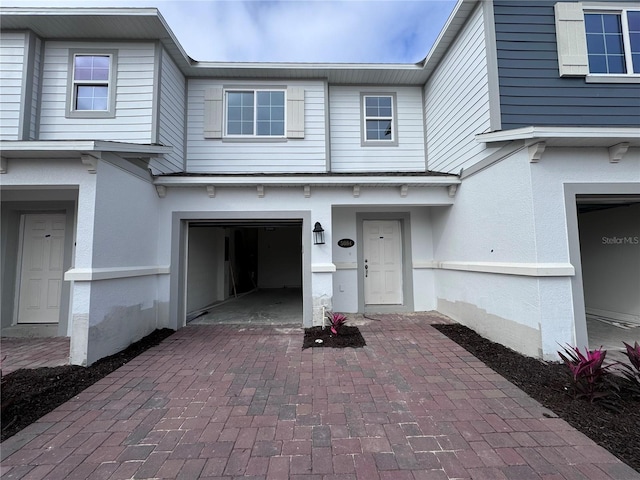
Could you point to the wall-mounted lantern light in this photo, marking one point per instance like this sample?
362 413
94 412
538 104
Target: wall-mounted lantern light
318 234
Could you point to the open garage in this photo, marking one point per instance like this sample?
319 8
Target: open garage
244 271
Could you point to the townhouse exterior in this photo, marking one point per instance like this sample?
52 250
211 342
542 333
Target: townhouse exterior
497 181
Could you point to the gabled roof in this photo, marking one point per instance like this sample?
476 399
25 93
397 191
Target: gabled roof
148 24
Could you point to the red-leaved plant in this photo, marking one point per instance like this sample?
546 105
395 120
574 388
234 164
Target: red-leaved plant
336 320
634 355
587 371
632 372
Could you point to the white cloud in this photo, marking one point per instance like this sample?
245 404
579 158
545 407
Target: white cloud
382 31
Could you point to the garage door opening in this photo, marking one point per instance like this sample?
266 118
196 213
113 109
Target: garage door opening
244 272
610 258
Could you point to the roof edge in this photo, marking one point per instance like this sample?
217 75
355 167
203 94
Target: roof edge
540 132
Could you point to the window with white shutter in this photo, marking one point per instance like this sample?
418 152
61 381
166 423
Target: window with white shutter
598 41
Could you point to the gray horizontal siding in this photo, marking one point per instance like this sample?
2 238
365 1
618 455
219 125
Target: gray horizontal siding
134 94
457 101
531 89
172 116
307 155
12 57
347 152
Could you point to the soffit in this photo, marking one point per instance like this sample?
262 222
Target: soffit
76 148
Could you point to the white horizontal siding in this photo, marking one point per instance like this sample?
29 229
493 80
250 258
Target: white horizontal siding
457 101
12 58
306 155
347 152
134 95
172 114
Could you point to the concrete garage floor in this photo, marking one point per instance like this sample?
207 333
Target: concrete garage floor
282 306
610 337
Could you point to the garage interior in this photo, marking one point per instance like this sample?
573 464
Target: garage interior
244 272
609 229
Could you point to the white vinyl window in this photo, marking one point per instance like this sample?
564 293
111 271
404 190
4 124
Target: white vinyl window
613 42
91 89
379 119
255 113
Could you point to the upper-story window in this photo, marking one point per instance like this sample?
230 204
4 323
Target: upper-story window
258 113
379 122
91 84
613 42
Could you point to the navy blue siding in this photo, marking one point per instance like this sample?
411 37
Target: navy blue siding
531 89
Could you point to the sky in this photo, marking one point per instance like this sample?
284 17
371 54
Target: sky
355 31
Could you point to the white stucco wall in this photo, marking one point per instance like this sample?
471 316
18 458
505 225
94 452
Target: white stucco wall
243 202
123 308
345 279
419 256
491 222
586 171
510 224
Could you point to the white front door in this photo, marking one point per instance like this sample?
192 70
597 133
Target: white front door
42 268
382 262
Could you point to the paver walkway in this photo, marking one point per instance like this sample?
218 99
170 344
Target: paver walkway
16 353
227 401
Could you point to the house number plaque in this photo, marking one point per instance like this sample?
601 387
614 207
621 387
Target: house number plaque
346 243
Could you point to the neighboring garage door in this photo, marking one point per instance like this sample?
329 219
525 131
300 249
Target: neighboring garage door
609 229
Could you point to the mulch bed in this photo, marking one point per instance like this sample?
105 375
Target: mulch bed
348 336
28 394
549 383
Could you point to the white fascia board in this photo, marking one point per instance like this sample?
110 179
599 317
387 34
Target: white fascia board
542 133
317 180
78 11
307 66
448 34
80 146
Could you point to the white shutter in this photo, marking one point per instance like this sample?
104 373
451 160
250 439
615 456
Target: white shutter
295 112
571 40
213 112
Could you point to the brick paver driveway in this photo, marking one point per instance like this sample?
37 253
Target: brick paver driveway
227 401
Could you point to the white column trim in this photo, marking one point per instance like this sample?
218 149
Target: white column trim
504 268
110 273
346 266
323 268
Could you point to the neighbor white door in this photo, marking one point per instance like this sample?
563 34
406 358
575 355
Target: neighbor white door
41 268
382 262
